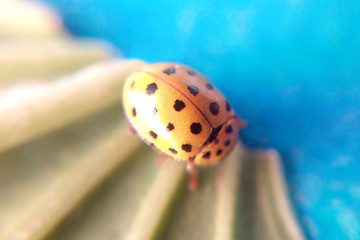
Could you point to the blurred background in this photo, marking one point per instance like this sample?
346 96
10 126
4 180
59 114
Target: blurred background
291 68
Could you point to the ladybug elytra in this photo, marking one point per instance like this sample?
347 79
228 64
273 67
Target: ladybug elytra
180 113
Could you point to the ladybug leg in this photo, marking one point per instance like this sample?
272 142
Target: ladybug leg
241 123
161 159
132 129
193 181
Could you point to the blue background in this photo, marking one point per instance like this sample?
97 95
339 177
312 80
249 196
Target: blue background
290 68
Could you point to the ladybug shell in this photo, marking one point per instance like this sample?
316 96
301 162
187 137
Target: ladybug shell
197 88
175 109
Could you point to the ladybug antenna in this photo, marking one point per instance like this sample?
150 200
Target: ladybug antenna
241 123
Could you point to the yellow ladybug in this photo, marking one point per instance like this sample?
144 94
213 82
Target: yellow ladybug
180 113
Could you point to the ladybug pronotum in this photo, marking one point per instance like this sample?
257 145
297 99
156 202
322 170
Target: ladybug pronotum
180 113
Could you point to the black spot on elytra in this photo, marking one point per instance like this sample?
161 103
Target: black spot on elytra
209 86
186 147
207 155
227 142
219 152
179 105
214 108
229 129
216 141
151 89
155 111
173 150
133 111
193 90
196 128
228 107
170 127
191 72
153 134
169 71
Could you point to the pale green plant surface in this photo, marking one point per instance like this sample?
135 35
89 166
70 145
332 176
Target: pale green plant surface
21 18
40 182
32 111
38 58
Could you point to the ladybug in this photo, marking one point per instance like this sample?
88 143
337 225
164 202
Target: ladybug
181 114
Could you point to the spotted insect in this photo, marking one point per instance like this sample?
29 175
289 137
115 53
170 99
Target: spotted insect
180 113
